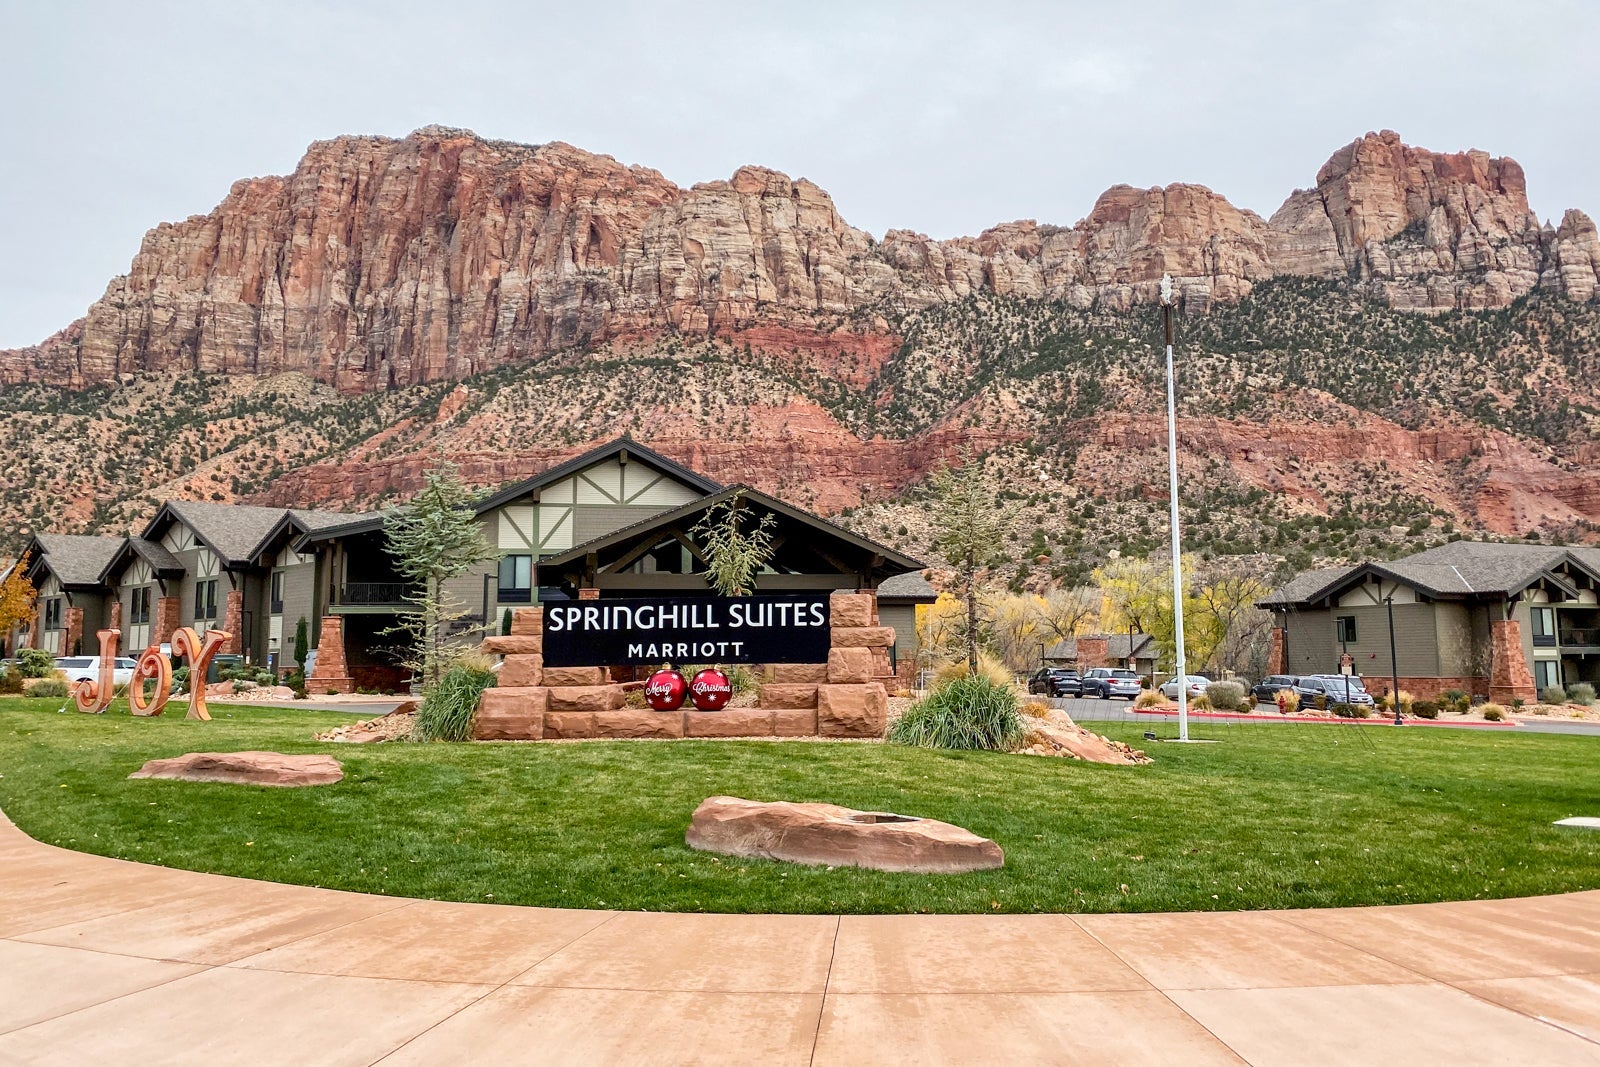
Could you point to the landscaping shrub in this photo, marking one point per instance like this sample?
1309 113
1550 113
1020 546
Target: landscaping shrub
180 678
1201 702
1553 695
449 705
963 713
1450 697
1288 701
1228 696
1352 711
1407 702
1493 712
35 663
1321 701
1582 693
296 680
10 681
1150 699
1425 709
49 687
988 667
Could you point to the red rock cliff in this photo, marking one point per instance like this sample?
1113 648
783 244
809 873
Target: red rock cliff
381 262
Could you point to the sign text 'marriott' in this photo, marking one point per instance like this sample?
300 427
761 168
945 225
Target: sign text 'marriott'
647 631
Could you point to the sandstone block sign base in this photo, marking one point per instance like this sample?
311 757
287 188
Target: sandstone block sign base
245 768
852 710
829 835
511 713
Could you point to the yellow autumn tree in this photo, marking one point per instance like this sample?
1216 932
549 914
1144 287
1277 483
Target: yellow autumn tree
1221 624
17 597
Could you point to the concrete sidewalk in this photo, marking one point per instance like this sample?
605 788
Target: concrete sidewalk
110 961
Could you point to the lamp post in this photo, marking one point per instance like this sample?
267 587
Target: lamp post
1394 662
1172 492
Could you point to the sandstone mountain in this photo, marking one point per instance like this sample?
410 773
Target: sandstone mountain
1399 353
381 263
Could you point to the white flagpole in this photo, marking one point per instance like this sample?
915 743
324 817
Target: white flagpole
1172 492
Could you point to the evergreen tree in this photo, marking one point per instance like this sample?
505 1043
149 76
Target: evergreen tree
302 643
970 524
436 538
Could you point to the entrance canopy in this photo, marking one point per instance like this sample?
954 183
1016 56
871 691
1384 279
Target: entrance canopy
661 554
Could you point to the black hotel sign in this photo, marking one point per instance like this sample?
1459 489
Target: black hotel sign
650 631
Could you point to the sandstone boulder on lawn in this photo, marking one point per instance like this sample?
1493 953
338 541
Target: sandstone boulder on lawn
1054 733
245 768
829 835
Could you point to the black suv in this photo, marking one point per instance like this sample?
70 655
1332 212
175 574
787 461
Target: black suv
1055 682
1266 691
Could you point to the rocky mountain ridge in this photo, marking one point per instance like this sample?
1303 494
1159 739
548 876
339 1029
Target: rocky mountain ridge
382 263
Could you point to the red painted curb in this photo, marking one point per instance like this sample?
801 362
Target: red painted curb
1377 720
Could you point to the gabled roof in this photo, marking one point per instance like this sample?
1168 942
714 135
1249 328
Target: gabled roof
900 561
162 563
910 587
1118 646
233 531
75 559
373 521
1459 569
635 451
302 524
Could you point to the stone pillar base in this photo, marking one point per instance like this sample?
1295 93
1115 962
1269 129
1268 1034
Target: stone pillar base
331 674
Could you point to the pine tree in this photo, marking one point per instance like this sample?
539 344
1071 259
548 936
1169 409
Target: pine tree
436 538
302 643
970 524
734 556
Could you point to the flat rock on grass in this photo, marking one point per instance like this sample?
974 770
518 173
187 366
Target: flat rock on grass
245 768
829 835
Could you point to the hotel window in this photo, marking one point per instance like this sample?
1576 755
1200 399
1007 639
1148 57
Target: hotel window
277 592
1544 627
1546 673
516 579
1344 629
139 606
205 599
52 613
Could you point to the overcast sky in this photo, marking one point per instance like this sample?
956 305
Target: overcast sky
939 117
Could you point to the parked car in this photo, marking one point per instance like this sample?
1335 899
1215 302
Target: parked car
79 668
1266 691
1195 684
1055 682
1334 688
1108 682
87 668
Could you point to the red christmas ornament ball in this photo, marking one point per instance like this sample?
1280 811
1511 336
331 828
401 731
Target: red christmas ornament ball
710 690
665 689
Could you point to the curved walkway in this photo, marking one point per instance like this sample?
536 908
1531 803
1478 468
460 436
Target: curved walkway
111 961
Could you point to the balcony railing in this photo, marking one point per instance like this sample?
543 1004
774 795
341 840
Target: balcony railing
1580 638
373 593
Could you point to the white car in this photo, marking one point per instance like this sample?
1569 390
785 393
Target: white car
1195 684
87 668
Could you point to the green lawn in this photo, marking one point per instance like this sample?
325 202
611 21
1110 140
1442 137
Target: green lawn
1272 817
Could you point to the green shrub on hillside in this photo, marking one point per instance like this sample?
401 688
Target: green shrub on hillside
964 713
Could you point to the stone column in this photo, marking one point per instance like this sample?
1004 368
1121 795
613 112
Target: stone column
331 673
169 616
588 594
233 622
1510 677
74 621
1094 652
116 614
1277 658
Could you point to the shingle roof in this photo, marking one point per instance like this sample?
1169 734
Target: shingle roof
1306 584
313 519
76 559
155 554
1117 646
233 531
1458 568
908 586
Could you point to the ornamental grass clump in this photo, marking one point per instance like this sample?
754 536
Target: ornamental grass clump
988 667
1150 699
1553 694
1581 694
1226 696
963 713
448 705
1492 712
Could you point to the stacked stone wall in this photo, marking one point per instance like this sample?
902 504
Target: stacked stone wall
844 697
